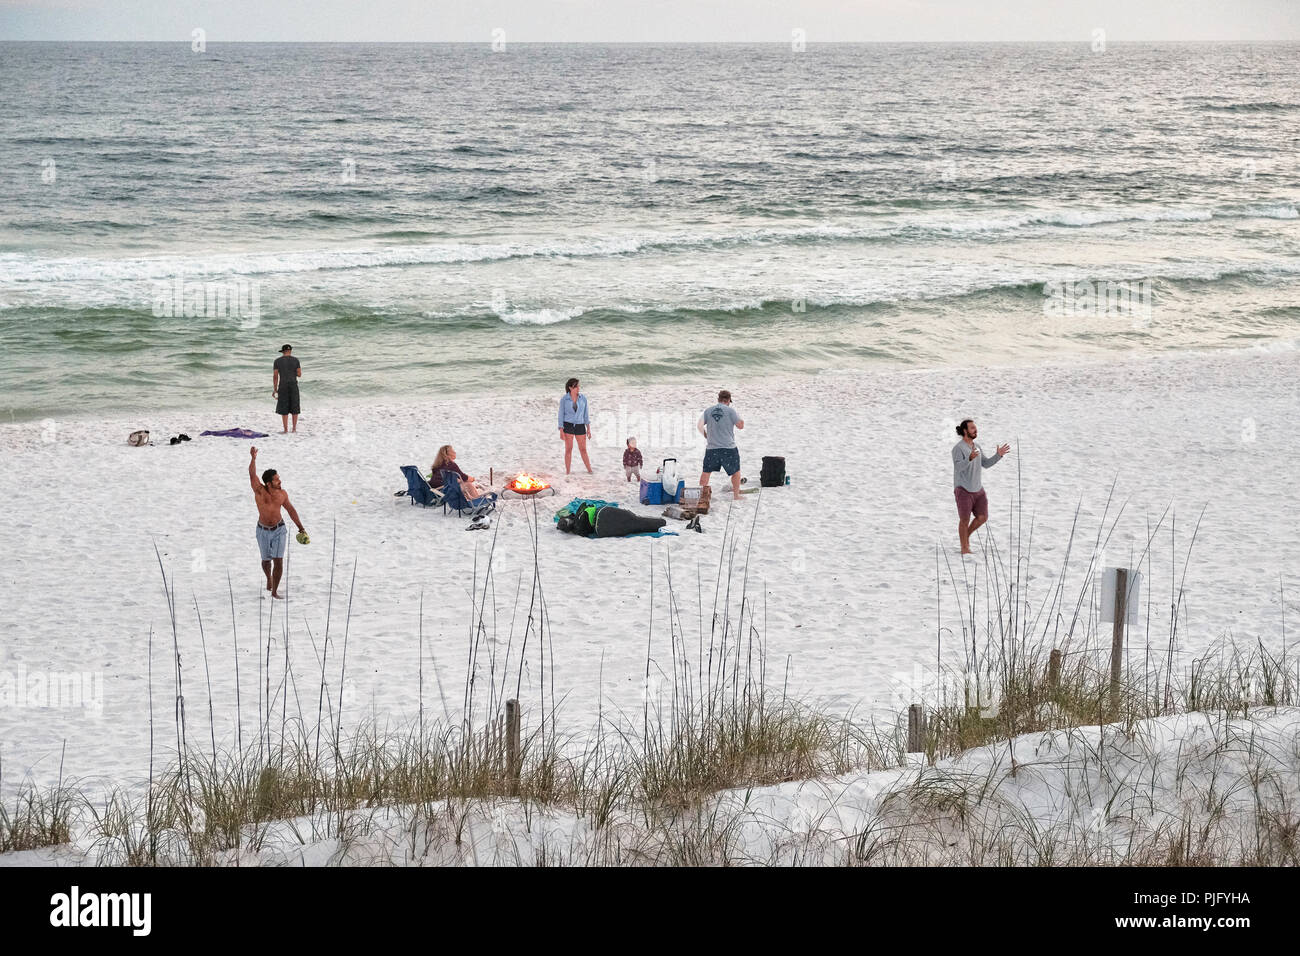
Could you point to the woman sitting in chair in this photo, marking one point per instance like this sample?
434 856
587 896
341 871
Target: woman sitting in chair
446 460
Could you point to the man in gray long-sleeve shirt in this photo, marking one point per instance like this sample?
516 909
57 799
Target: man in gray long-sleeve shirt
967 464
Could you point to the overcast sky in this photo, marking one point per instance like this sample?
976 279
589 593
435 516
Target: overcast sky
650 20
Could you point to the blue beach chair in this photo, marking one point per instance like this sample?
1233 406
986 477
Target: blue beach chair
453 496
418 490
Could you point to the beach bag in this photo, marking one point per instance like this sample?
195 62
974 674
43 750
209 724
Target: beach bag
668 473
138 438
702 506
772 474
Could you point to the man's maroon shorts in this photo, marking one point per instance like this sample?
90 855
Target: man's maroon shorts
971 502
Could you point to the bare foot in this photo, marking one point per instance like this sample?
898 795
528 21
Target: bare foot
284 431
277 596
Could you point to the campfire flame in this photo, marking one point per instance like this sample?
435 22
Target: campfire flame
526 483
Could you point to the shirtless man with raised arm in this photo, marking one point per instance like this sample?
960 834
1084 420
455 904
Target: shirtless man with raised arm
272 535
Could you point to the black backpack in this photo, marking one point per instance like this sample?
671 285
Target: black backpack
773 472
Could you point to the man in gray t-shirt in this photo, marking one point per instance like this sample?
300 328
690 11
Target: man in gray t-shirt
968 461
718 425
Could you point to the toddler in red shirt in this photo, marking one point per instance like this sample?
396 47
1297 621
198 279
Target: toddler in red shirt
632 460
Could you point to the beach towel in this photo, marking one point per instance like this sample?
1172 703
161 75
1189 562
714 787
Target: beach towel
235 433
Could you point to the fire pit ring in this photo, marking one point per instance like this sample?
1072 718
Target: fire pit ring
525 484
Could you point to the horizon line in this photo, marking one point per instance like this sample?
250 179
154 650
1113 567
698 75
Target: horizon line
782 43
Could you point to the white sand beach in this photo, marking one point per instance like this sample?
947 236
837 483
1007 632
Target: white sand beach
843 559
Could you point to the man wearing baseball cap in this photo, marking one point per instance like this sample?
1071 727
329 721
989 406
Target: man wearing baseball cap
718 424
284 386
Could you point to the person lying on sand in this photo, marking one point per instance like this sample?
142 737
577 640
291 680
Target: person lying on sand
968 486
446 460
272 535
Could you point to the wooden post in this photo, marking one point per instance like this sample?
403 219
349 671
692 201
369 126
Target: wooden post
1054 670
1117 636
915 729
512 746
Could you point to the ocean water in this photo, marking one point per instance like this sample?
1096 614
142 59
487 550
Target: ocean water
427 219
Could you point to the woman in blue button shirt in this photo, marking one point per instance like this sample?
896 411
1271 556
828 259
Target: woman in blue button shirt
574 423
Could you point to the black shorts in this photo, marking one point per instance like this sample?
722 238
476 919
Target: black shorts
288 403
571 429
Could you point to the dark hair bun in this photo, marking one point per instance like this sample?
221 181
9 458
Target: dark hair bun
960 430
